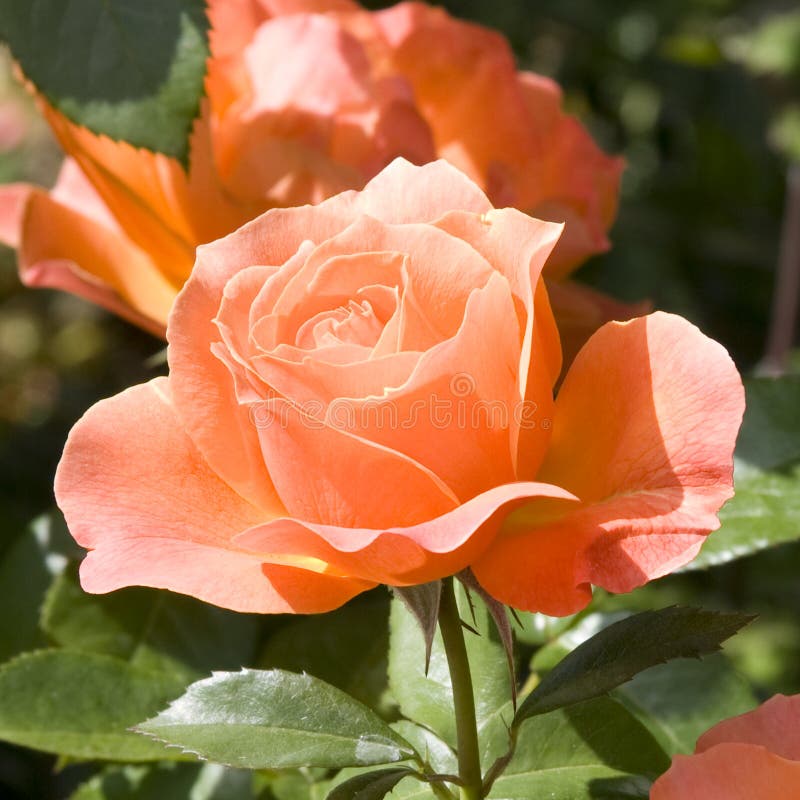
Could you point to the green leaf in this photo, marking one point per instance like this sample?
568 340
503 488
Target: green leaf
150 629
273 719
168 782
131 71
592 750
679 701
548 656
436 753
423 602
766 508
617 653
371 785
81 705
346 648
428 698
27 569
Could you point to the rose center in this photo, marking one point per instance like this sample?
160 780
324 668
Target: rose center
355 323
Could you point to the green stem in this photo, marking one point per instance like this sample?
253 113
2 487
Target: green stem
469 761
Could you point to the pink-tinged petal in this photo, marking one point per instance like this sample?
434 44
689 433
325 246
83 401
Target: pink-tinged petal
404 556
457 413
403 192
226 578
519 246
729 772
464 79
13 199
111 484
306 62
643 433
775 725
233 23
61 248
326 475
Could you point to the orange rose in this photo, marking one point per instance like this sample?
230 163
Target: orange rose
361 392
306 98
755 756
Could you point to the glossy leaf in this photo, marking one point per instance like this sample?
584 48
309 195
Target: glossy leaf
679 701
152 629
131 71
617 653
592 750
271 719
81 705
346 648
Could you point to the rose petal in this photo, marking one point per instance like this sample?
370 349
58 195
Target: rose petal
403 192
202 389
325 474
62 248
404 556
775 725
111 485
729 772
457 412
13 199
644 431
518 246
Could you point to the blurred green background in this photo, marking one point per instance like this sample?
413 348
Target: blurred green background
702 97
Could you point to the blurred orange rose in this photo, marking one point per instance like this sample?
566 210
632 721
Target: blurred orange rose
361 392
307 98
755 756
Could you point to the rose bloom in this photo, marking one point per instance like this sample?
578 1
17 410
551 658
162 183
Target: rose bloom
755 756
306 98
361 392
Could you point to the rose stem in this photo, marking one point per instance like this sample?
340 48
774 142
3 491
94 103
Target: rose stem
469 762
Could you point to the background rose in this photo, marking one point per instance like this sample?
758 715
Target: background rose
755 756
307 98
228 480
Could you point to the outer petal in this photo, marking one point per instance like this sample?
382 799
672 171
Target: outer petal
403 192
729 772
111 484
202 388
327 475
13 199
643 433
62 248
775 725
415 554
